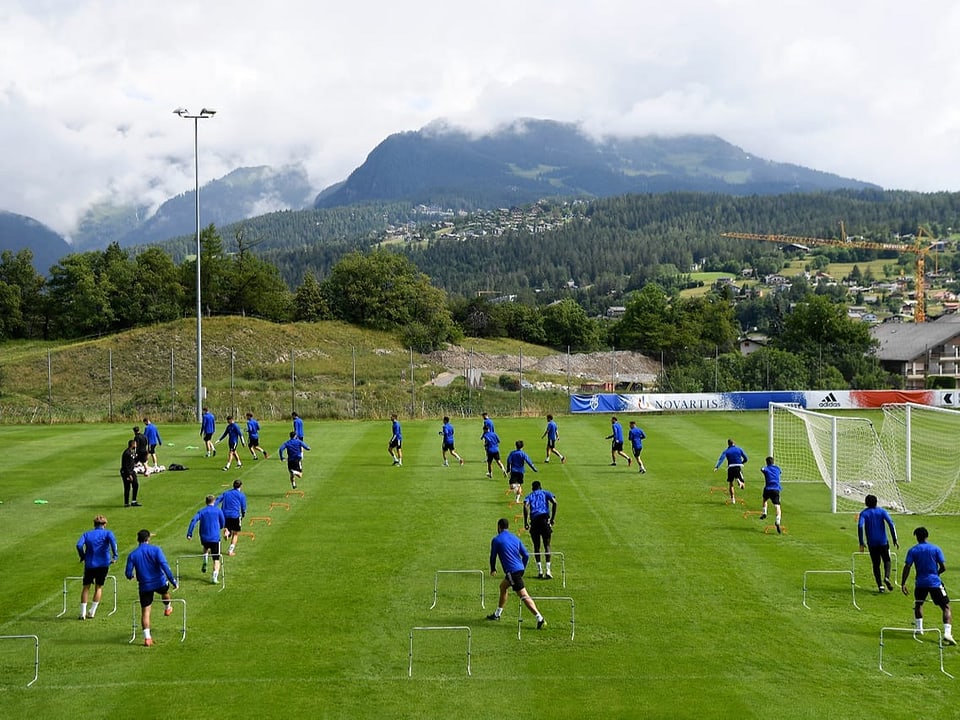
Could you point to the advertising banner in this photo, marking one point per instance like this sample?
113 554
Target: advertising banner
810 399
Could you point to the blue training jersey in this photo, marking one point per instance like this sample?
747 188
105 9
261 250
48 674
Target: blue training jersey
926 559
539 502
253 428
211 521
771 477
617 432
233 503
734 456
395 428
517 460
491 441
97 548
298 427
294 448
552 431
152 435
208 425
235 433
487 426
152 569
447 432
636 436
872 527
513 555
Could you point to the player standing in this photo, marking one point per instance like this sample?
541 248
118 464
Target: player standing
294 447
735 458
552 433
448 446
97 549
616 444
513 559
517 462
153 573
235 438
539 515
211 521
636 436
930 564
253 437
771 490
395 446
873 523
208 426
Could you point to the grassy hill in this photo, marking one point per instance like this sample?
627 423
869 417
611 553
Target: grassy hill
322 370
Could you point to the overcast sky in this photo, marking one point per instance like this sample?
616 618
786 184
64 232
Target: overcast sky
868 89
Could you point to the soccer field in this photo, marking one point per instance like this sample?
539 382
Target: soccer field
684 606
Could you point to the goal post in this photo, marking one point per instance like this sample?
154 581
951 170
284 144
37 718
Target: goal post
843 452
921 444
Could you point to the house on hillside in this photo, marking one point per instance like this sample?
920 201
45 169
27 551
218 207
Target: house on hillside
915 351
752 342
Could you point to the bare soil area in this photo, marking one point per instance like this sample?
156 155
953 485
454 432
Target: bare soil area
617 365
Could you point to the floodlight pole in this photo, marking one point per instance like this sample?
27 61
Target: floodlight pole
202 115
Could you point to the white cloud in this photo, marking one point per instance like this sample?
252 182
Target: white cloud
863 89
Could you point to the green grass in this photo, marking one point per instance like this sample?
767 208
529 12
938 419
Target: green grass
684 607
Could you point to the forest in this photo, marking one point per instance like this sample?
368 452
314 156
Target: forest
546 277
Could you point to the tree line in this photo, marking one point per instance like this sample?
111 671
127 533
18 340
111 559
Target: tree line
546 287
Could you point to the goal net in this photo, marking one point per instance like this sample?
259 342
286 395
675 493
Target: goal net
921 443
844 452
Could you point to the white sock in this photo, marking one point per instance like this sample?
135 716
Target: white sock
498 612
548 568
539 617
83 609
146 633
93 608
778 517
919 624
948 629
233 547
539 567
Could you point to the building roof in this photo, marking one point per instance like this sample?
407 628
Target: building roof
906 341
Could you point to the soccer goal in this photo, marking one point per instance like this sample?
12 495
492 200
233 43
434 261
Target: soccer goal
844 452
921 444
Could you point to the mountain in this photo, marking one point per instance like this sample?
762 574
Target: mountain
244 193
532 159
18 232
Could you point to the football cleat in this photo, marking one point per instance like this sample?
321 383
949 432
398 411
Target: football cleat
148 642
540 623
493 616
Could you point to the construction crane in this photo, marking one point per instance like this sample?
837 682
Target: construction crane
917 247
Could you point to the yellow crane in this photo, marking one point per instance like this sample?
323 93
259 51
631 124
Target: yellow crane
917 247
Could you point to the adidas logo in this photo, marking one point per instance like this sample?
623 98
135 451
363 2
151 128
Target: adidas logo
830 401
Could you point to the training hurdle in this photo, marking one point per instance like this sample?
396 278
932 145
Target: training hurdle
893 564
263 518
442 627
573 619
222 582
436 582
172 601
853 584
239 534
295 492
767 529
915 632
36 652
748 513
284 505
75 577
563 564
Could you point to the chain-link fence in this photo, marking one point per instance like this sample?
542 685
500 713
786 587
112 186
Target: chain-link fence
93 383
